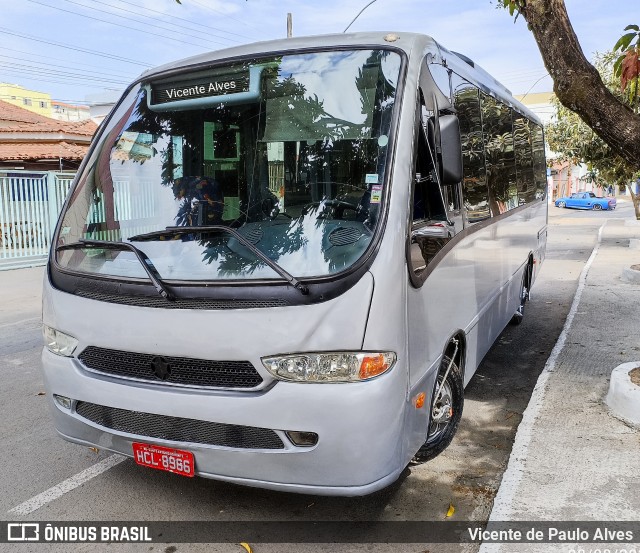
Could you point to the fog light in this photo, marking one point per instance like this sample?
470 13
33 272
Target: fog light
58 342
302 439
62 401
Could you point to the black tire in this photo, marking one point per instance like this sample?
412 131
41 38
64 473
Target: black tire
597 207
448 410
518 316
562 204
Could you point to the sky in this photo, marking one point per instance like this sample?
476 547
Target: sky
75 49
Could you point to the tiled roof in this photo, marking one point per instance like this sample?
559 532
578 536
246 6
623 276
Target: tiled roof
23 120
9 112
10 151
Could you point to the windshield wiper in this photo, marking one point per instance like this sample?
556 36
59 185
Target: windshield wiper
142 257
177 231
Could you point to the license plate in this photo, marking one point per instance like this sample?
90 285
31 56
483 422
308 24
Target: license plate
164 458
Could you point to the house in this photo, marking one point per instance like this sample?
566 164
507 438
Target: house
32 100
31 141
69 112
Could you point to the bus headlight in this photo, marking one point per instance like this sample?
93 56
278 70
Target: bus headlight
336 366
58 342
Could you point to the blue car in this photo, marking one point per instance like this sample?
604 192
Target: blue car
586 200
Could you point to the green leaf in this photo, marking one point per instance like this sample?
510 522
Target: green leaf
624 41
618 65
632 28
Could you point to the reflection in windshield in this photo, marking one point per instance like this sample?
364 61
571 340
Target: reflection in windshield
298 170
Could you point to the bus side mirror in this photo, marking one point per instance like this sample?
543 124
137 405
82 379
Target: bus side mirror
450 143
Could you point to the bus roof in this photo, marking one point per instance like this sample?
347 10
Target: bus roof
414 44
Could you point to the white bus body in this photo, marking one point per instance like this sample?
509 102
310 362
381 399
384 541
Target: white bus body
407 262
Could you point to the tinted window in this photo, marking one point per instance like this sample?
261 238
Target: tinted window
539 164
296 166
475 193
500 159
523 138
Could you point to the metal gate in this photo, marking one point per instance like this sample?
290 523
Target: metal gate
30 202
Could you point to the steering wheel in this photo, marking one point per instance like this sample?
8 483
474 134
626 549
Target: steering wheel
339 207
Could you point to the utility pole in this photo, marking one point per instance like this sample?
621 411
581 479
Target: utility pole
289 25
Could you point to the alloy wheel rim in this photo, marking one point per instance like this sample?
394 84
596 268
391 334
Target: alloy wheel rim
441 412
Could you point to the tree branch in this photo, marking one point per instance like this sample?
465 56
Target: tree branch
577 83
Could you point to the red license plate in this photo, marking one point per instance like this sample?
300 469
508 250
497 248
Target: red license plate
164 458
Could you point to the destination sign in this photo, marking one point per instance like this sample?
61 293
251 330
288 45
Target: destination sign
215 86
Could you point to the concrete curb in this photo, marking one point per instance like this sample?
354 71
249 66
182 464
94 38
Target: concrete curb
631 275
623 398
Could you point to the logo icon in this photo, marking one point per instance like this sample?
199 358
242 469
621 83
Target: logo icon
161 367
23 531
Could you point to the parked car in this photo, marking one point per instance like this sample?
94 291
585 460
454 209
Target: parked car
586 200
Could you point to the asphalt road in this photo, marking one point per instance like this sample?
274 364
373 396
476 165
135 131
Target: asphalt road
467 475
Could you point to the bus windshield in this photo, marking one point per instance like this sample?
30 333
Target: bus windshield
289 151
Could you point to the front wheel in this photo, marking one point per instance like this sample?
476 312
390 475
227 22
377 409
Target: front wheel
562 204
447 401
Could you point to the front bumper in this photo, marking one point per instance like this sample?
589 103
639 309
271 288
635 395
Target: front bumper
359 450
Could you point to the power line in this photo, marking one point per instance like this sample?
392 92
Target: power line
41 80
220 12
119 25
139 22
84 72
57 58
207 27
57 73
24 75
63 101
77 49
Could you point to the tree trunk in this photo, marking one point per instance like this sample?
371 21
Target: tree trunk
577 83
635 198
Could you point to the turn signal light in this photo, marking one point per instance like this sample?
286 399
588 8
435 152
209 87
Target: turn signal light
373 365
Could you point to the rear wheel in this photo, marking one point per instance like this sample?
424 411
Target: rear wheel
597 207
524 296
445 412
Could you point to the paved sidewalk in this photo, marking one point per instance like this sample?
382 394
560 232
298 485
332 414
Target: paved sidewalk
572 460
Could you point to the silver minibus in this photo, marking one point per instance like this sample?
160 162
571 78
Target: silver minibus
280 264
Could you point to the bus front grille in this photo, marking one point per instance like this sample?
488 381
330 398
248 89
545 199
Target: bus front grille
159 302
177 371
176 429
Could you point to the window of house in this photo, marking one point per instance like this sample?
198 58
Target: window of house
26 101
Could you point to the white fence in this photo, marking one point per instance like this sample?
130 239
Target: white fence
29 206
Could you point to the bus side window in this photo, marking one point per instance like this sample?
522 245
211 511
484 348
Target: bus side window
475 194
523 139
430 230
500 158
539 163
